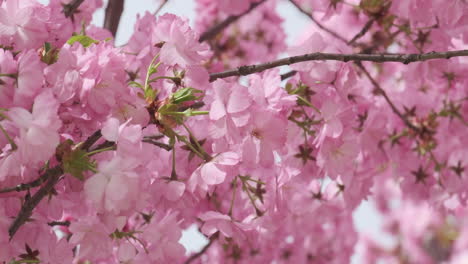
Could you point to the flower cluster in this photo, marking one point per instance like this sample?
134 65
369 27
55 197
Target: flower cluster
108 153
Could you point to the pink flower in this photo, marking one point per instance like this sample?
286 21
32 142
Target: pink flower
30 78
37 135
213 172
267 133
93 237
266 90
115 187
162 236
181 44
215 221
338 157
229 109
22 24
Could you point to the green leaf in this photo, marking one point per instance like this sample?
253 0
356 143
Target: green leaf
77 162
83 40
186 94
150 94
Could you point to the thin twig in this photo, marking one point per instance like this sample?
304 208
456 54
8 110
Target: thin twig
71 8
212 32
204 249
158 144
163 3
287 75
382 92
25 186
318 56
114 10
363 31
324 28
59 223
91 140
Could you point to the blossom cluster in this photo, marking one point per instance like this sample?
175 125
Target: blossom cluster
108 153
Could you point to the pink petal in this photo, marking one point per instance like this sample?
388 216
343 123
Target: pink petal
211 174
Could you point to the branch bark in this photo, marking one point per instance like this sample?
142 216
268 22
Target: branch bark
71 8
53 176
212 32
163 3
362 32
382 92
114 10
318 56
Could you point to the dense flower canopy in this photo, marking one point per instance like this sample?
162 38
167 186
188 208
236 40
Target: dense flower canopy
107 153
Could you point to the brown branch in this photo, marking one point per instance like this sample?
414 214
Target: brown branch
318 56
71 8
382 92
158 144
163 3
114 10
59 223
324 28
287 75
25 186
53 176
363 31
91 140
37 182
212 32
204 249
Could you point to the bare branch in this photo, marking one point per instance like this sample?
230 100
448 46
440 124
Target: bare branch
114 10
324 28
363 31
53 176
382 92
287 75
39 181
212 32
157 143
59 223
163 3
91 140
71 8
204 249
318 56
25 186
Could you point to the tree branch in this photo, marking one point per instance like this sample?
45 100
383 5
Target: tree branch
91 140
53 176
329 31
71 8
287 75
25 186
318 56
163 3
382 92
114 10
212 32
363 31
